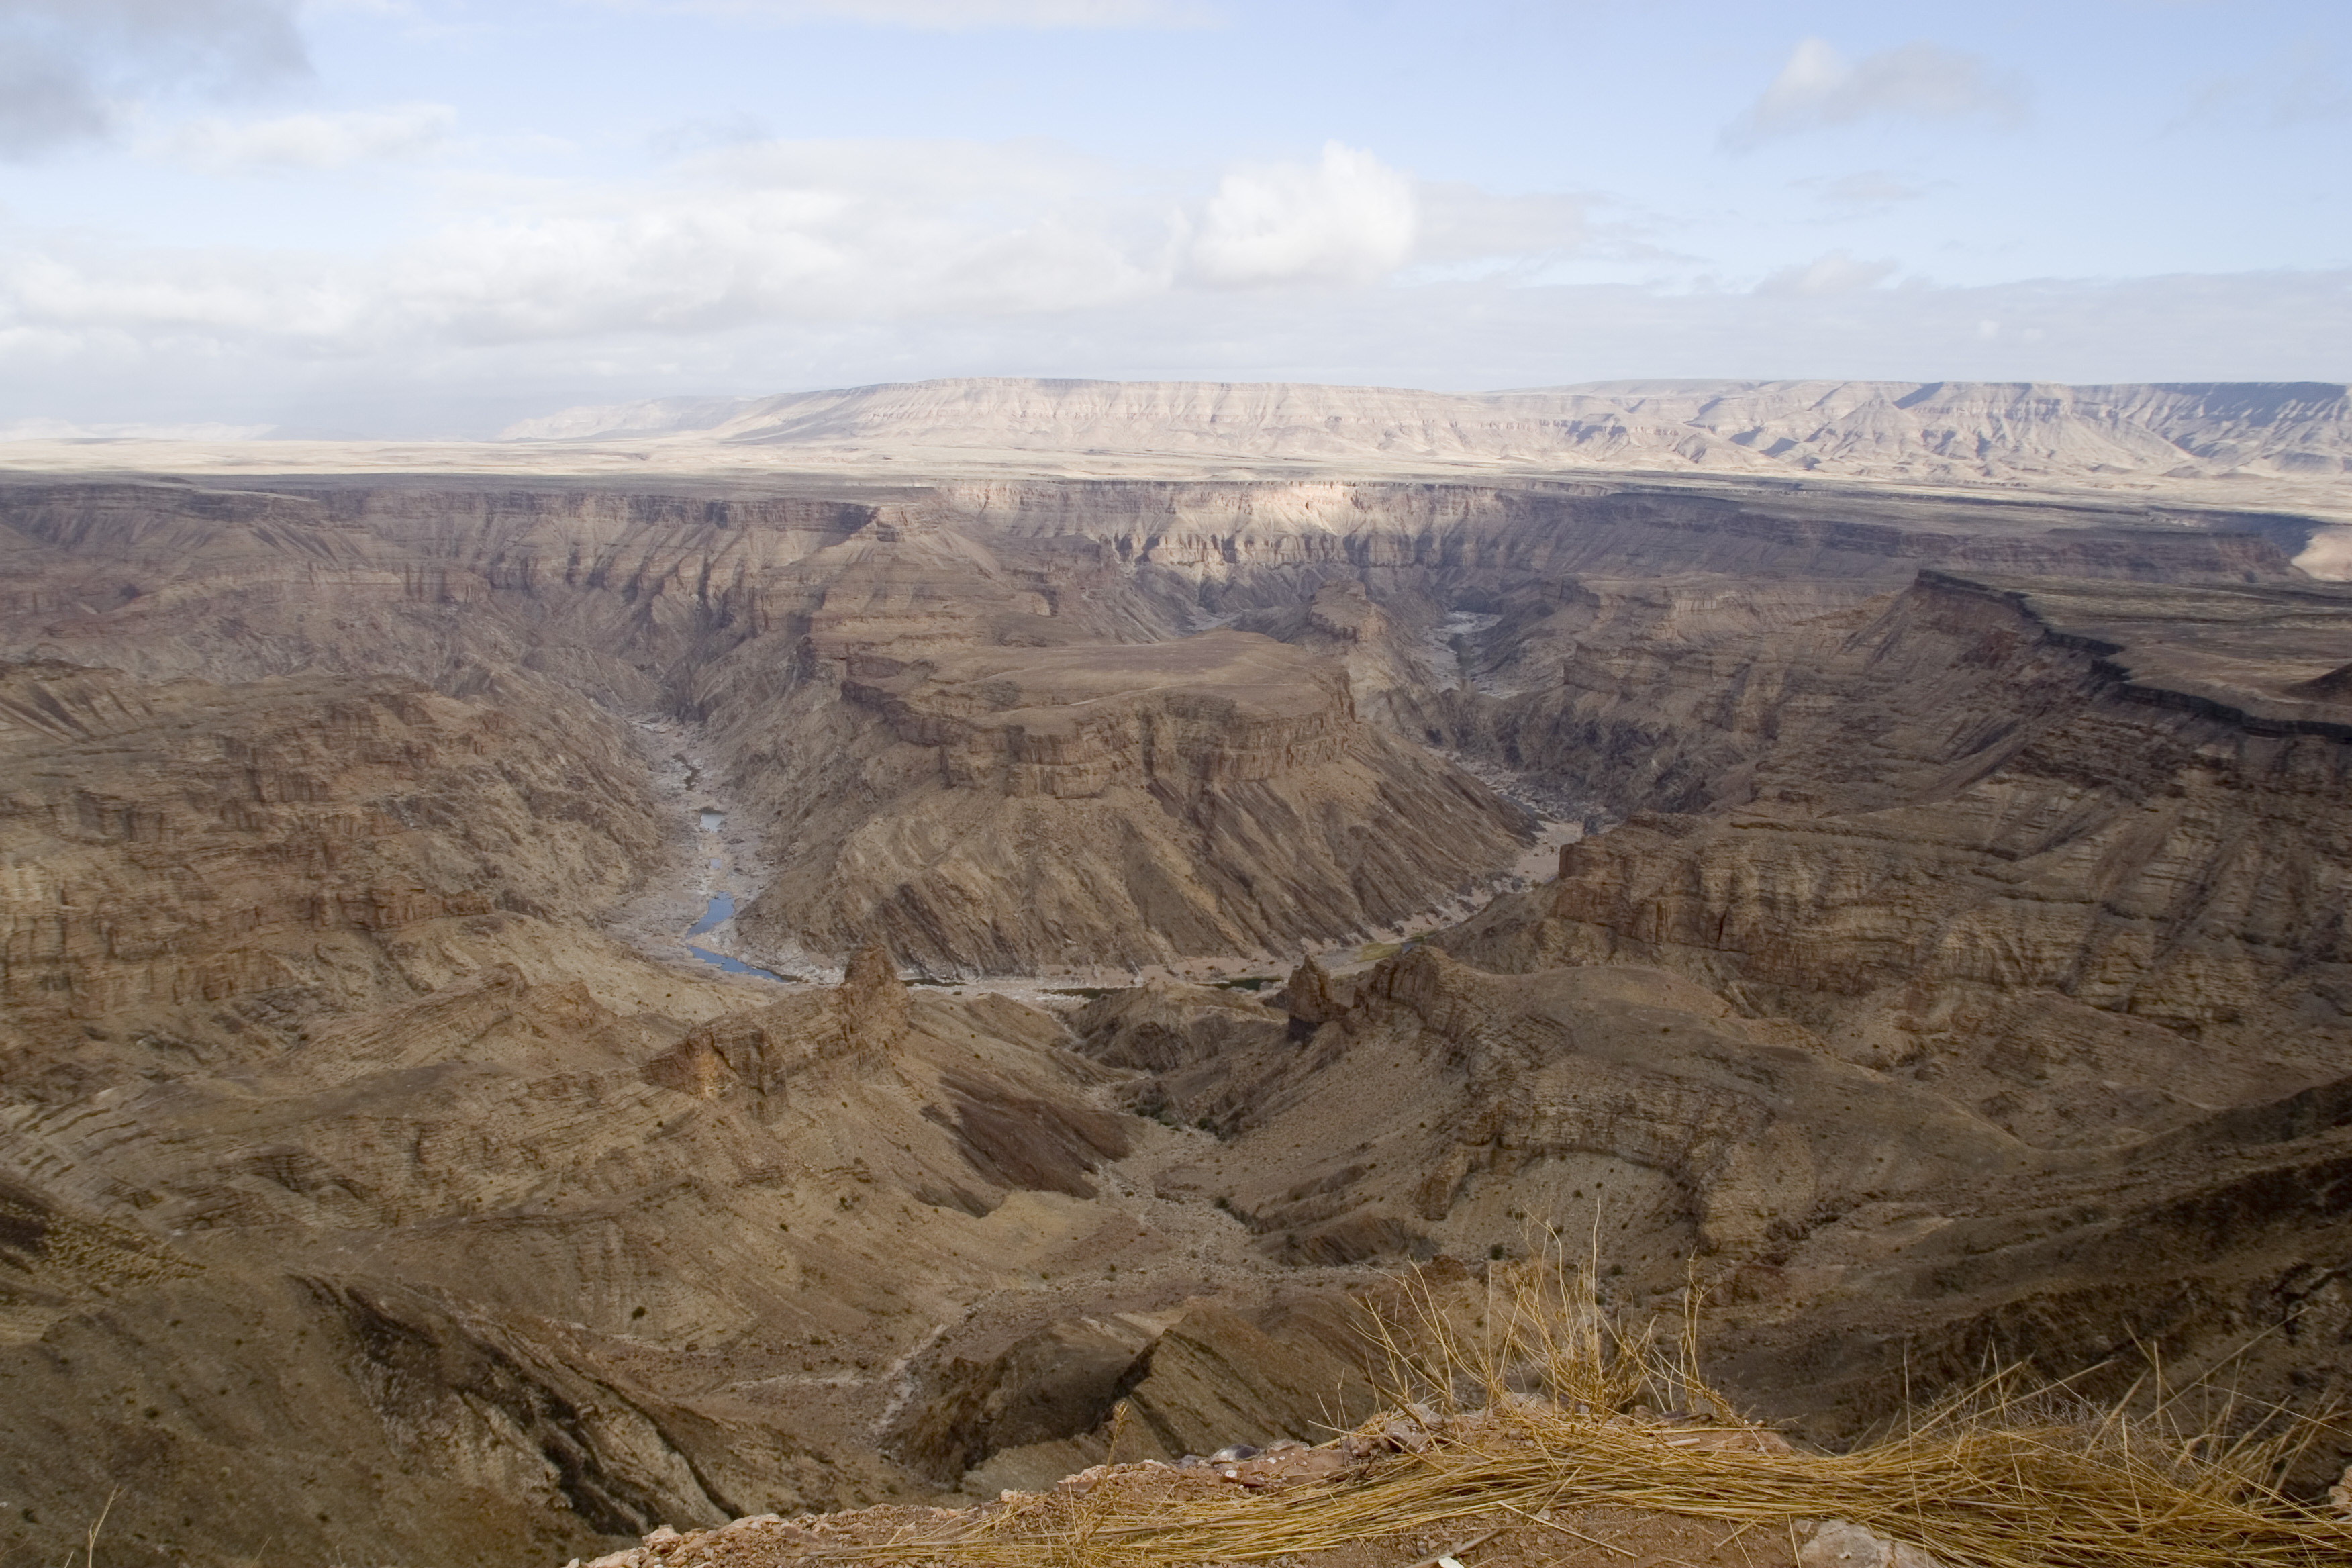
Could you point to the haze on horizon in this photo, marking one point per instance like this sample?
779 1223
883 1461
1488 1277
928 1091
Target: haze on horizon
437 216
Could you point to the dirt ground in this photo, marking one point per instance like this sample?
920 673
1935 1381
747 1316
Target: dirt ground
1498 1538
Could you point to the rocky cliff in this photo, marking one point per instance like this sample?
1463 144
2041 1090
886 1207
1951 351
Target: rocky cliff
175 846
819 640
1091 803
1941 430
1955 962
532 1258
1977 813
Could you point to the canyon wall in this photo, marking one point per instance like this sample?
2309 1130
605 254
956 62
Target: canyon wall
1954 966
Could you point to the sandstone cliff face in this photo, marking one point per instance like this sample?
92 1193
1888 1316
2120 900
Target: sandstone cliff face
579 590
1393 654
1493 537
1219 709
637 597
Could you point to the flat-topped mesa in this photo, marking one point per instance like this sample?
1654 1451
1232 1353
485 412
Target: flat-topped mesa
1220 709
1951 431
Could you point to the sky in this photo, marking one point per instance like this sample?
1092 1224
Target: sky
433 217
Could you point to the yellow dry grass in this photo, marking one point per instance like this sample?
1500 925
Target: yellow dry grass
1544 1409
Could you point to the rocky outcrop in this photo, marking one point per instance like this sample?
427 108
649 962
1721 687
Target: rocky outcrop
1199 1056
1391 652
1162 1026
1193 1382
494 1247
1060 1381
486 1408
1471 1101
1221 709
1864 1237
1216 1377
1307 996
870 1003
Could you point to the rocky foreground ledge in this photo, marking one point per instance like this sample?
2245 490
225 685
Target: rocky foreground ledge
1527 1482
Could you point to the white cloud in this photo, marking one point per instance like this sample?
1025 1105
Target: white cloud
1836 273
308 141
765 266
2288 90
2223 327
67 430
1460 222
1866 190
67 67
810 232
949 16
1348 218
1818 87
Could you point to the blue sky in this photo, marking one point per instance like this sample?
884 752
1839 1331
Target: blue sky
433 216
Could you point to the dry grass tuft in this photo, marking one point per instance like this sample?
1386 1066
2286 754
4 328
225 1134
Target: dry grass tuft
1544 1406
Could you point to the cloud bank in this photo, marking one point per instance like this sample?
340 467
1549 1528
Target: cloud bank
951 16
1348 218
67 67
808 232
1819 87
758 266
1836 273
216 145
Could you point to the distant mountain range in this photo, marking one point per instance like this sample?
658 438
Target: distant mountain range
1959 432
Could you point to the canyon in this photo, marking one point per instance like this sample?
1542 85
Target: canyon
1937 951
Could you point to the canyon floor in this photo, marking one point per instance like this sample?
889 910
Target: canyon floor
1157 912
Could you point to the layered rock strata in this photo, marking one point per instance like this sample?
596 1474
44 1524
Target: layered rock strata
524 1262
1100 803
1970 844
1946 430
1963 933
176 846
